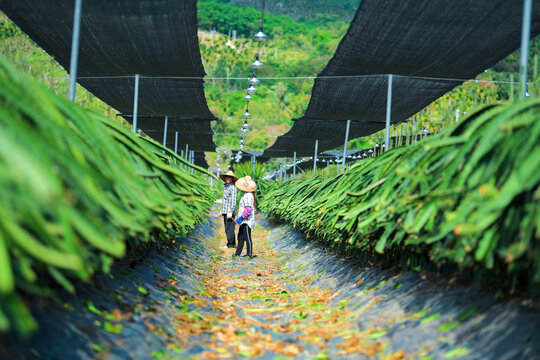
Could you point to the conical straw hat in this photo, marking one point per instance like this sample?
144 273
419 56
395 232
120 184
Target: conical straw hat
228 173
246 184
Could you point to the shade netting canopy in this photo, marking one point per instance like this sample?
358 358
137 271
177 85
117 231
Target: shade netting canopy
430 47
199 159
196 134
120 38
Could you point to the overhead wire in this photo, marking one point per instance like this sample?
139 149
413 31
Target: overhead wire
304 77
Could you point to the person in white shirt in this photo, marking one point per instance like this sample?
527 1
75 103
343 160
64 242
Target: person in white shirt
229 205
246 220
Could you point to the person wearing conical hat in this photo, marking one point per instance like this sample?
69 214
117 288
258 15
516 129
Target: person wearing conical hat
229 206
246 220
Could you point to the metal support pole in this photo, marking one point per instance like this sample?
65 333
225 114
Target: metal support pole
253 162
75 37
175 144
294 166
281 169
165 131
285 168
218 164
315 157
135 104
525 38
187 154
345 145
388 113
457 115
511 88
192 159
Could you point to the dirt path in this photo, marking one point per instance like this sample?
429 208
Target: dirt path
295 300
259 307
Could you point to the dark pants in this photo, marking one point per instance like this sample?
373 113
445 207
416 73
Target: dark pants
229 231
244 235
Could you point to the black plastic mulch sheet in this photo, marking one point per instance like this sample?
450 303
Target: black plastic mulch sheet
417 41
156 39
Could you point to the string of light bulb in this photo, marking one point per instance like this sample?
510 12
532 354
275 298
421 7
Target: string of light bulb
258 37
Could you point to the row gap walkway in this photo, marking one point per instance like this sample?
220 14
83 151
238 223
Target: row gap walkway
295 300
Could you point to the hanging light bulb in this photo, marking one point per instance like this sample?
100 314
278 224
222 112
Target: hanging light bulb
260 35
241 146
243 131
245 125
246 114
257 63
253 80
248 97
251 89
241 141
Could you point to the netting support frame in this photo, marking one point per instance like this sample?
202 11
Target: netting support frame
135 104
165 132
75 41
175 144
524 53
388 113
345 144
315 158
294 164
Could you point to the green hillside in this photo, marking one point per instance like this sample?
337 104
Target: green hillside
293 49
306 10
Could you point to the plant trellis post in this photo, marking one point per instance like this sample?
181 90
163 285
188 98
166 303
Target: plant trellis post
345 144
135 104
165 132
388 113
294 164
175 144
253 162
187 153
525 38
315 157
75 49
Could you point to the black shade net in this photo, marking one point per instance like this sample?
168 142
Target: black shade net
120 38
200 160
430 47
197 134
